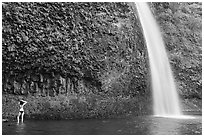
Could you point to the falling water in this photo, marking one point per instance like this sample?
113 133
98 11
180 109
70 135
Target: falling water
165 97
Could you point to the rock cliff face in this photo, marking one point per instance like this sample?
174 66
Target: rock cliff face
181 28
85 60
45 85
65 48
62 48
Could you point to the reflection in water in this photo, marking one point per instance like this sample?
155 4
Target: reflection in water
20 128
165 126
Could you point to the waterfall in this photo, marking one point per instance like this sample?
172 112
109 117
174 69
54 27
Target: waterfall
165 96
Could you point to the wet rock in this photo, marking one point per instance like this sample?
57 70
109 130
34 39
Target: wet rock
62 87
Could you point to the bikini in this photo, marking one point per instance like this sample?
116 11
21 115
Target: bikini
21 107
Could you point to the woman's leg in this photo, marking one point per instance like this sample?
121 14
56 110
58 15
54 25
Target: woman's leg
22 115
18 117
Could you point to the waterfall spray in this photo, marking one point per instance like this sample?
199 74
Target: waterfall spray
165 96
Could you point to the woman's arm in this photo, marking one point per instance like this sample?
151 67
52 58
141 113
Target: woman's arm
24 102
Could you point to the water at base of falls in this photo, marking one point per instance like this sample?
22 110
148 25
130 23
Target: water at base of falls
165 96
175 116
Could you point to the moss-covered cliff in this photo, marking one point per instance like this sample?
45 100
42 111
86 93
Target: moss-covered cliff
181 25
79 49
52 48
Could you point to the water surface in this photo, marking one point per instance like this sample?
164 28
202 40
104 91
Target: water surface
134 125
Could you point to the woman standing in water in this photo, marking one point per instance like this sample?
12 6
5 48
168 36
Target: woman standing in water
21 111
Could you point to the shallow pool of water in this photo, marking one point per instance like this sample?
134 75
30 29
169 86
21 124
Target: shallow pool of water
132 125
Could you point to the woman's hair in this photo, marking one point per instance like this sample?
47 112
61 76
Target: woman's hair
21 102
